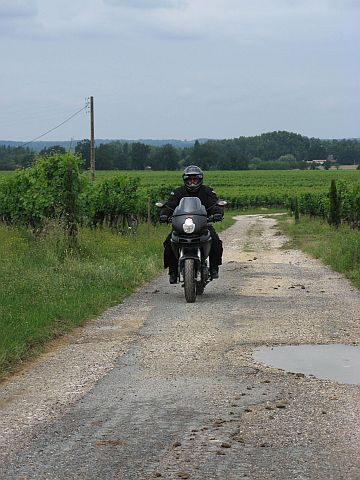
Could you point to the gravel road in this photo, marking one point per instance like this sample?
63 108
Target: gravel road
158 388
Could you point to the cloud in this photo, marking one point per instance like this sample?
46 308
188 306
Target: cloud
206 64
16 15
12 9
148 4
49 22
185 92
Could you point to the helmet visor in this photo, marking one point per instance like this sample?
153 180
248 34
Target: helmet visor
192 179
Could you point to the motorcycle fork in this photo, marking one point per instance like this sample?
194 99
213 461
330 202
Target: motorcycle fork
184 256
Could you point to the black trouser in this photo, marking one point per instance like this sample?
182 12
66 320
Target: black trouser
215 256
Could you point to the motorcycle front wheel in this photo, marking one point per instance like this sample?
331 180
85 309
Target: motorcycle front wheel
189 280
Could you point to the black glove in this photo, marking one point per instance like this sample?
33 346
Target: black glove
217 217
163 219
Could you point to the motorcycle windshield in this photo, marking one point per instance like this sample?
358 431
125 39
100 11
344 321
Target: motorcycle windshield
190 205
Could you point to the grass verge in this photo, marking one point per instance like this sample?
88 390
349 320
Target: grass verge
337 247
47 291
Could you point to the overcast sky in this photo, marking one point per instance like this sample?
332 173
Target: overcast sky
182 69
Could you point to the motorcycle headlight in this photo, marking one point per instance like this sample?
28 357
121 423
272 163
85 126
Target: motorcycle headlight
189 225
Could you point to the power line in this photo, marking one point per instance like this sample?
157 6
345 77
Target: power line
57 126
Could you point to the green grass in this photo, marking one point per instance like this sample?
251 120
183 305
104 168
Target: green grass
47 291
339 248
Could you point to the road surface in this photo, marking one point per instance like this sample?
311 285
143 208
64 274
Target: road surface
158 388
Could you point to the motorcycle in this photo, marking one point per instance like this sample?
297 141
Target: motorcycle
191 244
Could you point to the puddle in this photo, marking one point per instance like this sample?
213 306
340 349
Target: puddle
330 362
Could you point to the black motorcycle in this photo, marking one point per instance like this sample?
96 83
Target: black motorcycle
191 244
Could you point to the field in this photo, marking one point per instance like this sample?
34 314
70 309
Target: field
230 182
248 189
240 181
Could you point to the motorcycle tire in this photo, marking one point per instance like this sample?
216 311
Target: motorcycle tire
189 280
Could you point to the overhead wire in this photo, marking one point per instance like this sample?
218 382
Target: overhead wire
57 126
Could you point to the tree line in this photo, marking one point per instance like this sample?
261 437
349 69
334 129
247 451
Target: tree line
268 151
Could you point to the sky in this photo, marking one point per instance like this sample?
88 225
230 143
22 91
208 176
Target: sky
181 69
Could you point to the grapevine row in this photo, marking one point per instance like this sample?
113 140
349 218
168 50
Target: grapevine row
56 189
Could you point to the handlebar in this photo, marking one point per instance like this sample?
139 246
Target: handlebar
217 217
165 219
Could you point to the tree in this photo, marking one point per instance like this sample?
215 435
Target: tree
346 152
234 159
83 149
288 158
317 150
204 155
105 155
15 157
53 150
139 155
164 158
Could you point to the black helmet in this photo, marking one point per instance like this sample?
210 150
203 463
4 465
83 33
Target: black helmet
193 178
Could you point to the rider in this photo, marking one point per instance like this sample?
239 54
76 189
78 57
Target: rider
193 187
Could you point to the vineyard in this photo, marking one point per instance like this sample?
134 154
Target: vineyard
56 189
56 273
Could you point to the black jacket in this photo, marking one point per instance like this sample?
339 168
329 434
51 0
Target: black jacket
206 195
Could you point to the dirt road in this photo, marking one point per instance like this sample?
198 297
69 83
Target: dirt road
157 388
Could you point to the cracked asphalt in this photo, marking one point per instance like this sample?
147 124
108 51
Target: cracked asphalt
158 388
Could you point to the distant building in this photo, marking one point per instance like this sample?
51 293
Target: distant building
320 163
316 162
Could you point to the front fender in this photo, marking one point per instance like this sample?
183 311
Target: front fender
193 254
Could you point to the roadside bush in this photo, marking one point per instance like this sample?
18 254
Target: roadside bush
46 191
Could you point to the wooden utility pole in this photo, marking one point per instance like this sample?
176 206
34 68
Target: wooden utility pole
92 140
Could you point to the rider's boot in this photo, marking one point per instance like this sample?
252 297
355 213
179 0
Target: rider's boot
173 277
214 272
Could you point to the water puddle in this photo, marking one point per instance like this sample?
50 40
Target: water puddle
330 362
